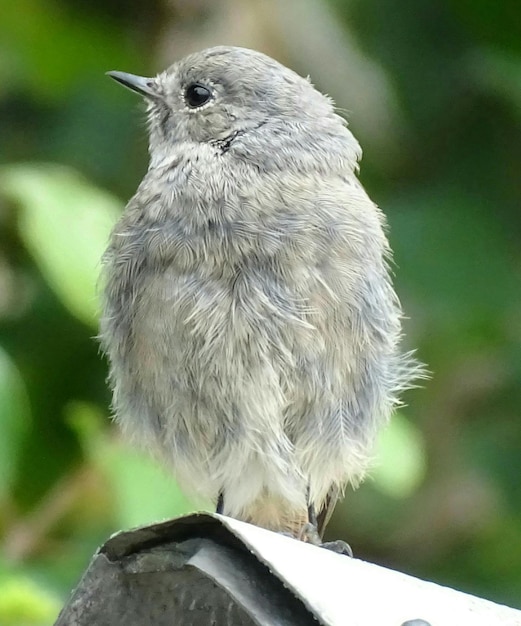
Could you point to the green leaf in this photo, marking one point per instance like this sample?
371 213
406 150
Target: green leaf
401 459
144 492
14 420
65 223
498 72
24 603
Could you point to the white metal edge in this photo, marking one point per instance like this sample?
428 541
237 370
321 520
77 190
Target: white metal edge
338 588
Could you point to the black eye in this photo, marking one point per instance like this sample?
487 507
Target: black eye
196 95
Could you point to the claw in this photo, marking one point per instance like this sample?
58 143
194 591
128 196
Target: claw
338 546
309 534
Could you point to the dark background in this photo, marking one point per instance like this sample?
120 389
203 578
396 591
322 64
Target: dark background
432 90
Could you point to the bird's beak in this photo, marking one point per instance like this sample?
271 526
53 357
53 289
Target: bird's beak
140 84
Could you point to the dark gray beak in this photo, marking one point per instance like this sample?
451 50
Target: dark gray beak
140 84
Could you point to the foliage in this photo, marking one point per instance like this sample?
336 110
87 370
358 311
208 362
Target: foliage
433 92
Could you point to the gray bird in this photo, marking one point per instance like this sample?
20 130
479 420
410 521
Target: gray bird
248 315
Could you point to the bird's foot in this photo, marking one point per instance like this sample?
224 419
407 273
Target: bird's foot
338 546
309 534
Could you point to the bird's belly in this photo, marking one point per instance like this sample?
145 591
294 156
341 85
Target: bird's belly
212 362
203 336
247 387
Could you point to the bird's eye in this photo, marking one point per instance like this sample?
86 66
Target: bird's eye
196 95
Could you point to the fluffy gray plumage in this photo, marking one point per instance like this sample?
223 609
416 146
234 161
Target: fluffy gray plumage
250 322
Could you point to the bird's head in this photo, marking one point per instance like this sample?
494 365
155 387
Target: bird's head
223 93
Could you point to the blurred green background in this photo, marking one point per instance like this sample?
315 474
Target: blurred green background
432 90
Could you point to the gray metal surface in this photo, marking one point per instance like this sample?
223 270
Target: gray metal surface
169 574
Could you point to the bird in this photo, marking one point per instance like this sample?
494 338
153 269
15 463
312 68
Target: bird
248 313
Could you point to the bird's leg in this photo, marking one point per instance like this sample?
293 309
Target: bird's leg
220 504
310 534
